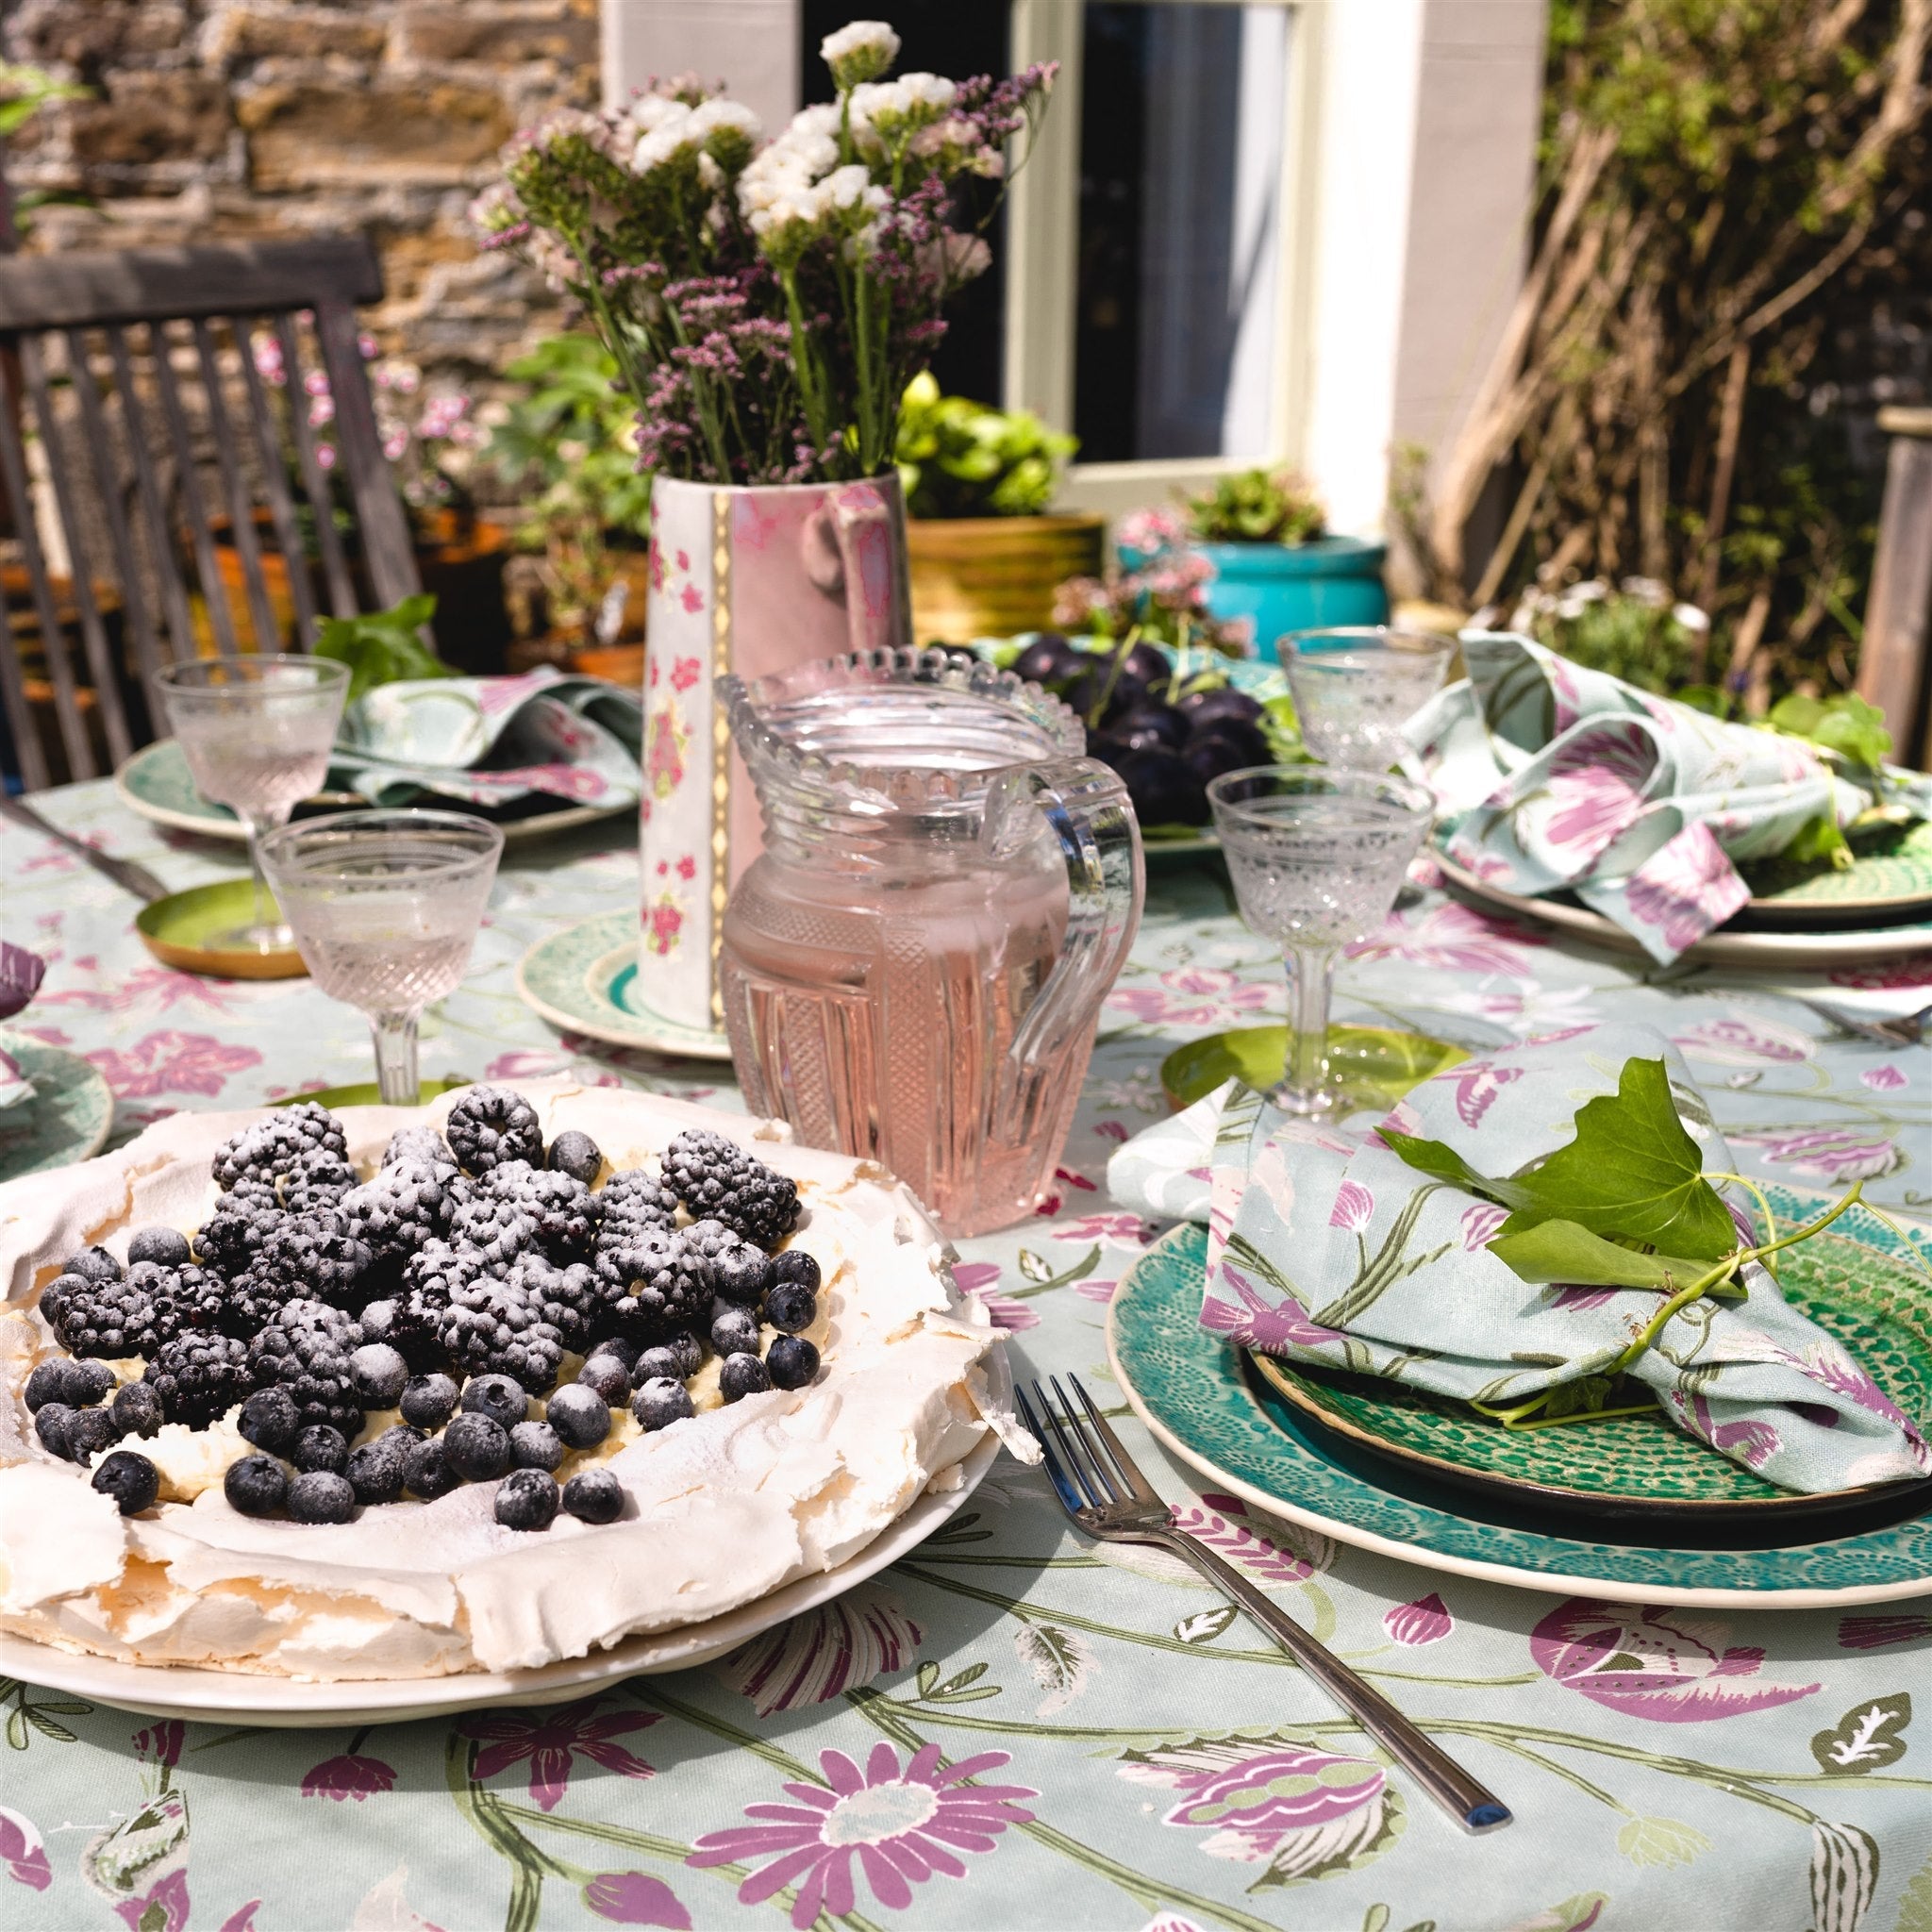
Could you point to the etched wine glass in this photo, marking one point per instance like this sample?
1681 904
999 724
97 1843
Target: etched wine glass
256 733
385 907
1355 689
1317 857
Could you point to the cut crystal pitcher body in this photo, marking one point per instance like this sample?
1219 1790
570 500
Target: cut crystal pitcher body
912 969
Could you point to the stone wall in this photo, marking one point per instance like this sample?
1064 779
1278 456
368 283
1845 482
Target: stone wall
244 118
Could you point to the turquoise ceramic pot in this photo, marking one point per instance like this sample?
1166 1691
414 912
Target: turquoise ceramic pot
1316 586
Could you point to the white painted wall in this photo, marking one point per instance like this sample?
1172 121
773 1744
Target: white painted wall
752 43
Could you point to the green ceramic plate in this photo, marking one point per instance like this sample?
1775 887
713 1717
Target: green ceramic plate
1891 875
178 931
1875 1301
366 1093
66 1121
1379 1064
1191 1389
585 980
155 782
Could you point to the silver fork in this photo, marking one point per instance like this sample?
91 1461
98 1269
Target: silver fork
1108 1497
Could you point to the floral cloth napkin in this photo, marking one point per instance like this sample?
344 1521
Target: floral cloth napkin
21 973
1329 1249
492 741
1552 777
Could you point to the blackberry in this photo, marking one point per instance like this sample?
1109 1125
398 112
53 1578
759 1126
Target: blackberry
735 1331
109 1319
495 1229
306 1350
418 1144
526 1499
660 1403
653 1283
94 1264
566 1213
578 1156
405 1204
593 1495
428 1400
137 1410
231 1237
535 1445
795 1264
130 1478
50 1382
319 1446
429 1277
579 1415
375 1471
426 1470
608 1376
565 1296
88 1382
88 1431
791 1307
271 1148
477 1448
199 1377
637 1201
497 1397
741 1376
319 1496
270 1421
50 1425
198 1297
491 1125
715 1178
378 1373
792 1361
167 1246
318 1180
492 1326
257 1485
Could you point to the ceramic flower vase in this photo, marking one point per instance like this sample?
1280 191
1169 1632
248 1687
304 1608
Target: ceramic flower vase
749 580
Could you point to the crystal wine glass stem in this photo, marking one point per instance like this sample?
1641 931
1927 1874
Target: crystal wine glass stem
1310 973
268 917
395 1035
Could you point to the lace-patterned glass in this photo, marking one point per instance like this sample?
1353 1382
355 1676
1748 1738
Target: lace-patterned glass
1317 858
1355 689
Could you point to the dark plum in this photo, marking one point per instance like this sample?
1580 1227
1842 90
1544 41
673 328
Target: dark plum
1100 695
1225 700
1164 791
1149 665
1211 753
1150 724
1048 659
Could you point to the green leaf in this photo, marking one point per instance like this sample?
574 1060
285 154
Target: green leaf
382 647
1033 1267
1661 1842
1555 1251
1203 1626
1915 1904
1439 1159
928 1678
1867 1738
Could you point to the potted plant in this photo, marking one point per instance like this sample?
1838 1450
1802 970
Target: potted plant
1276 566
985 555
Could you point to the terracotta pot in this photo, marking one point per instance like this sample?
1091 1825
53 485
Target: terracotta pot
992 576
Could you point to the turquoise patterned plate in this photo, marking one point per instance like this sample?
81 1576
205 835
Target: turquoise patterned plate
1191 1389
68 1118
155 782
585 980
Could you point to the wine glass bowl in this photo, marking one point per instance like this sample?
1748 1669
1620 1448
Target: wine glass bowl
1317 857
1355 689
385 907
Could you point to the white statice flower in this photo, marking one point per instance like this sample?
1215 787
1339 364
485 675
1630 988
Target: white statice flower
727 130
894 109
860 51
844 188
649 112
669 137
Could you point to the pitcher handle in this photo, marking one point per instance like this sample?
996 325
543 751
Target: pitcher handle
1086 808
851 548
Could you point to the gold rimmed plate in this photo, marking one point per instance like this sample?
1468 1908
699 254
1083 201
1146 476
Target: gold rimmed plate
192 931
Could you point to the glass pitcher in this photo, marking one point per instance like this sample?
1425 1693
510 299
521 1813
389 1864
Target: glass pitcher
912 969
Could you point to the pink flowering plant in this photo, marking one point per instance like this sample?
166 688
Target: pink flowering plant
767 302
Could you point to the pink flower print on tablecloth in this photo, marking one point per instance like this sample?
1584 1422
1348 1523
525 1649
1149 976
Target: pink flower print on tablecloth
551 1740
1424 1621
1353 1207
22 1851
173 1062
977 1278
635 1898
1887 976
1841 1154
1684 890
163 1908
1668 1666
841 1646
1227 1525
1479 1224
151 986
351 1775
1477 1087
1738 1043
1883 1079
1875 1633
1193 996
1115 1231
1452 938
1274 1327
900 1827
1594 790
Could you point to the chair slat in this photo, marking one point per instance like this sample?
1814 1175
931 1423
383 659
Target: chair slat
201 533
34 774
335 567
241 504
281 505
14 471
385 530
93 633
160 535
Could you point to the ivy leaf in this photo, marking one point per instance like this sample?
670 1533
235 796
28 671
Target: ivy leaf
1561 1251
1439 1159
1867 1738
382 646
1203 1626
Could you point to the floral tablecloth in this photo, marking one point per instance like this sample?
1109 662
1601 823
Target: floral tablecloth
1015 1727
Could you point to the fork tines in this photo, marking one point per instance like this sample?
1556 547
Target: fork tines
1085 1460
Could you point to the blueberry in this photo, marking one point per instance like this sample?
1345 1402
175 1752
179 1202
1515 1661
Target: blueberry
526 1499
376 1472
659 1364
689 1350
378 1319
50 1425
660 1403
130 1478
88 1382
500 1397
790 1305
792 1361
378 1373
88 1431
605 1375
742 1276
736 1332
271 1419
166 1246
579 1415
319 1496
94 1264
535 1445
594 1495
320 1446
578 1156
49 1382
137 1410
426 1470
623 1347
743 1374
401 1437
477 1448
257 1486
428 1400
795 1264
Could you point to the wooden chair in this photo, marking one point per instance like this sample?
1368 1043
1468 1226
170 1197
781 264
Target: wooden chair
1895 661
159 402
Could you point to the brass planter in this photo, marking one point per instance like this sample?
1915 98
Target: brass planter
992 576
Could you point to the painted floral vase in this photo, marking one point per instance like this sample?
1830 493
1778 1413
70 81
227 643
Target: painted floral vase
748 580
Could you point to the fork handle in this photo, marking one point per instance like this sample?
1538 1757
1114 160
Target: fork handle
1472 1805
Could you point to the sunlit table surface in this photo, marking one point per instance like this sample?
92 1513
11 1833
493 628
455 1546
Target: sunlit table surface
1667 1768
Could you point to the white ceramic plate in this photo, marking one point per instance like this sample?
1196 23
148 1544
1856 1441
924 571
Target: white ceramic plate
584 980
286 1704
